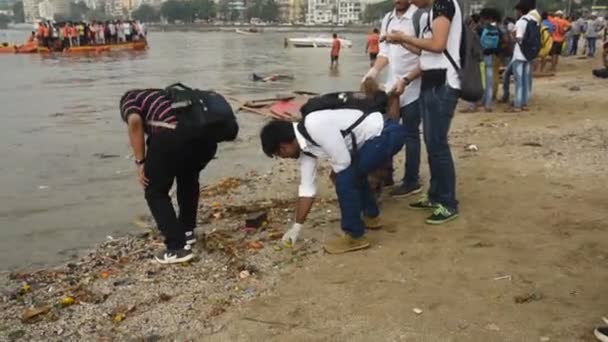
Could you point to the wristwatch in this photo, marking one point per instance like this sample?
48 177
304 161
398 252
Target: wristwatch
407 80
140 162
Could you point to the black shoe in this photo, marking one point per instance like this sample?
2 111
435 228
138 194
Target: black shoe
190 238
601 333
406 190
442 215
423 204
174 256
387 183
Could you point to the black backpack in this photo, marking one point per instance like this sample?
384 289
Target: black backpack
531 43
202 113
343 100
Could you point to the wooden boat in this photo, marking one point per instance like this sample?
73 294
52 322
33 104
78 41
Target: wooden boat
129 46
8 49
248 32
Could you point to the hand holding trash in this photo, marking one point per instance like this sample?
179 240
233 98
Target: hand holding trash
291 236
372 73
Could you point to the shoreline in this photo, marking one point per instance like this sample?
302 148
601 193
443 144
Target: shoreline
275 28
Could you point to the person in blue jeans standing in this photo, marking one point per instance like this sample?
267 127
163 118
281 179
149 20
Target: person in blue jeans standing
491 43
440 87
355 145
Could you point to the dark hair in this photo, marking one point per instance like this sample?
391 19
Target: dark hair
475 18
274 134
544 15
335 35
523 7
491 13
376 30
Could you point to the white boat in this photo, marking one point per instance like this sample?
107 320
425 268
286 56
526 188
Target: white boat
317 42
248 32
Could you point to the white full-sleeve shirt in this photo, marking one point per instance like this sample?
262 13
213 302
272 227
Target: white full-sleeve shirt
325 128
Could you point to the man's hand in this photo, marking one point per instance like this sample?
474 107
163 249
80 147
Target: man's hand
396 37
141 176
372 73
399 88
291 236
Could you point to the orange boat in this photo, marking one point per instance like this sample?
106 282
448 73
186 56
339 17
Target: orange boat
8 49
130 46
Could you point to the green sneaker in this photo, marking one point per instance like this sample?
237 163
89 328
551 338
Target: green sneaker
441 215
422 204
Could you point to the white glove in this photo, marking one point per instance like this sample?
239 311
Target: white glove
372 73
291 236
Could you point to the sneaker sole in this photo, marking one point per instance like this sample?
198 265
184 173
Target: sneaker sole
420 208
174 261
601 337
437 223
191 242
409 194
352 249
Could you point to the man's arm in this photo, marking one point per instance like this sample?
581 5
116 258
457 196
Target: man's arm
136 136
437 43
307 189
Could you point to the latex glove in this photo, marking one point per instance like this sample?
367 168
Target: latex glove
291 236
372 73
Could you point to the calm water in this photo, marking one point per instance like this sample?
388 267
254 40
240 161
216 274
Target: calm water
59 113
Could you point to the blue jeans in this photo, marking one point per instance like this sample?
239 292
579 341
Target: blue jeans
410 116
574 45
489 71
354 193
591 46
506 82
437 110
523 73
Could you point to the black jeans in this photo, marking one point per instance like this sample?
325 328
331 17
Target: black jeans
169 158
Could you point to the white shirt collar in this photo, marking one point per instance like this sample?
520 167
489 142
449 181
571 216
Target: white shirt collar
409 14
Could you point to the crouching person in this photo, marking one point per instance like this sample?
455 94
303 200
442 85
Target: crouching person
183 127
354 136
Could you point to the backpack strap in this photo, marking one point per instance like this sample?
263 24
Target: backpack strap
348 131
388 21
416 18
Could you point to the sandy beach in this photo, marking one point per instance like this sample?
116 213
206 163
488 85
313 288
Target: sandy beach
526 260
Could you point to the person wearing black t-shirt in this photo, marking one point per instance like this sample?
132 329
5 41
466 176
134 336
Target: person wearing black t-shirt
440 88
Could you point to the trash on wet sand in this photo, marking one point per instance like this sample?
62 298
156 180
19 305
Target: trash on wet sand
471 148
506 277
244 274
417 311
256 220
529 297
30 314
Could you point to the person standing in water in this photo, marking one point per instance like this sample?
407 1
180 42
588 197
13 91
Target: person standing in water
335 51
373 46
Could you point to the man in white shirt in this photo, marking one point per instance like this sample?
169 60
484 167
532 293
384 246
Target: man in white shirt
325 134
522 69
402 64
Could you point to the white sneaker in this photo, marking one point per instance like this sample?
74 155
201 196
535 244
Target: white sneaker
175 256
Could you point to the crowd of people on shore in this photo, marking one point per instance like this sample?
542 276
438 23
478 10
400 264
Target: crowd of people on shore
61 35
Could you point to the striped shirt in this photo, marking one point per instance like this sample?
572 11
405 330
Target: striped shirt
150 104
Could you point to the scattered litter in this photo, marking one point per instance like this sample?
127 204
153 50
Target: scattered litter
120 313
277 248
527 298
471 148
255 245
30 314
257 219
492 327
545 339
507 277
575 88
244 274
164 297
110 238
43 187
105 155
532 144
67 301
417 311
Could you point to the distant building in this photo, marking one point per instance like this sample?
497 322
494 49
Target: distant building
321 12
349 12
46 11
114 8
292 11
61 7
30 10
